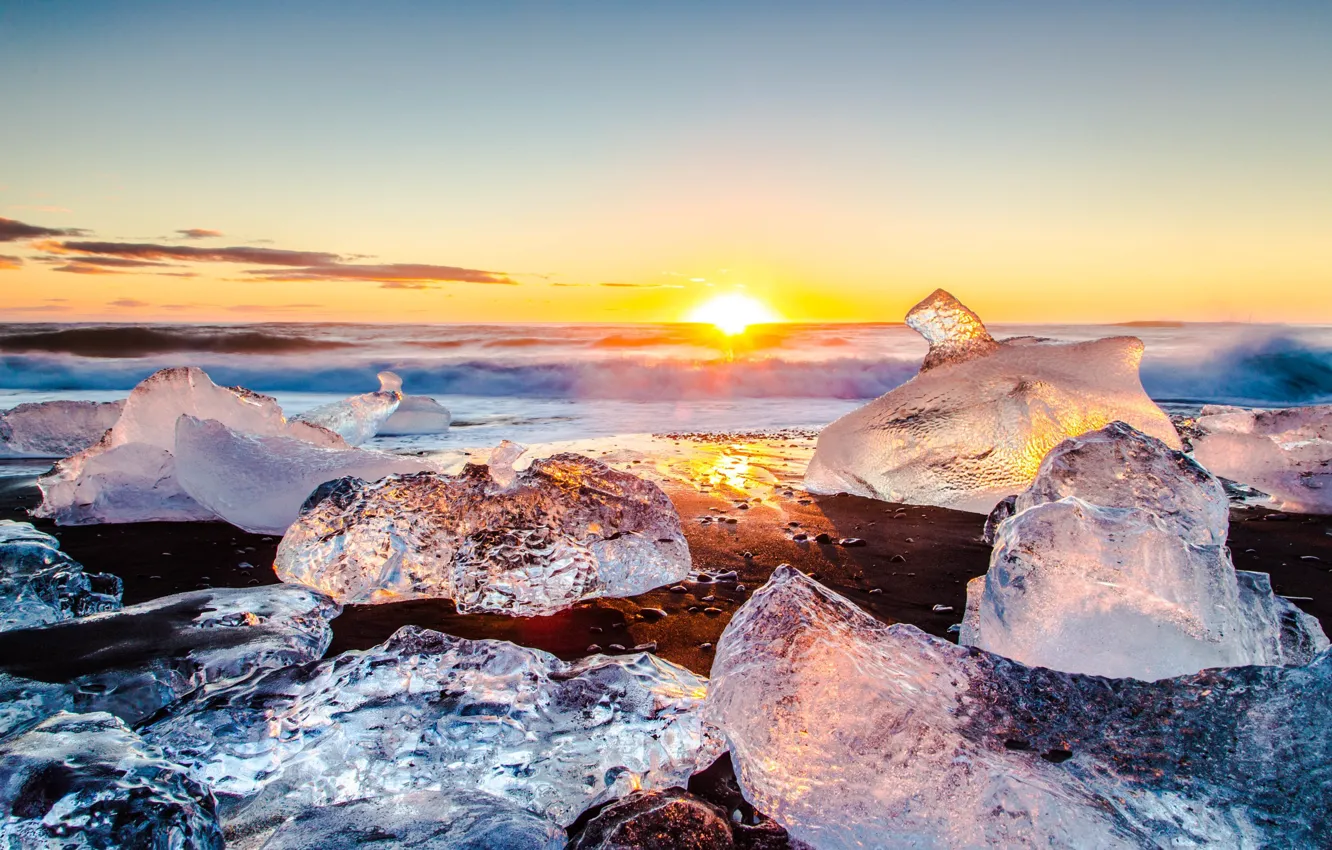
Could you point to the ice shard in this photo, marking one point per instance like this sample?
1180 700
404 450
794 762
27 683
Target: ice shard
1286 454
359 418
853 734
521 543
973 426
417 414
55 429
87 781
426 711
40 584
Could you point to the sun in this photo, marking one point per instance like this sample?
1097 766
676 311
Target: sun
732 313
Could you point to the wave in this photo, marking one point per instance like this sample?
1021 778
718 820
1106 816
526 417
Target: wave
114 342
1275 370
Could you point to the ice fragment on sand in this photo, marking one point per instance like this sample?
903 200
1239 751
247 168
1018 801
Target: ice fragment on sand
972 427
358 418
502 460
1284 453
40 584
417 414
55 428
853 734
565 529
427 711
654 819
87 781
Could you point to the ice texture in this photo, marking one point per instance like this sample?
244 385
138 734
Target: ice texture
1286 454
359 418
258 482
853 734
973 426
527 544
55 428
130 475
135 661
672 819
425 711
87 781
40 584
417 414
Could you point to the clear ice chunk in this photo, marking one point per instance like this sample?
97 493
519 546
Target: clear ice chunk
565 529
40 584
1286 454
55 428
853 734
87 781
973 426
258 482
652 819
359 418
426 711
417 414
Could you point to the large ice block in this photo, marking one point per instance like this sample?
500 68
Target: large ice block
358 418
55 429
526 544
258 482
853 734
973 426
40 584
426 711
1286 454
87 781
417 414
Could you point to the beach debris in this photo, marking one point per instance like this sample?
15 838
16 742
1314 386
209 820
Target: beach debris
55 429
1115 564
359 417
555 738
855 734
86 780
646 819
972 427
1286 454
567 528
40 584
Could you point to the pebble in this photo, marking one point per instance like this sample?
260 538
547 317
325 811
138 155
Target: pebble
729 575
706 645
595 629
1310 558
823 537
245 565
679 588
942 609
850 541
898 559
712 611
740 588
747 555
909 540
650 646
615 647
592 647
730 520
876 590
800 538
711 597
955 628
793 525
652 614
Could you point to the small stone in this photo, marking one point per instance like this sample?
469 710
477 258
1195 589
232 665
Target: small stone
592 647
679 588
712 612
942 609
898 559
652 615
909 540
800 538
823 537
876 590
650 646
615 647
850 541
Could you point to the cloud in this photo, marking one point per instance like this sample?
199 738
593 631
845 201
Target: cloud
9 263
392 275
127 302
84 268
54 308
177 274
149 251
107 262
12 231
267 308
642 285
199 233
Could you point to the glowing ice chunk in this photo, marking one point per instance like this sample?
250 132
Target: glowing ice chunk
1284 453
55 428
360 417
40 584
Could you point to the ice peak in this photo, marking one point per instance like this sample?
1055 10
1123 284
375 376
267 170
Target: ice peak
390 382
953 331
502 459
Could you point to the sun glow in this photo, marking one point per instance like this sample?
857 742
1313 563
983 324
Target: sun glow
732 313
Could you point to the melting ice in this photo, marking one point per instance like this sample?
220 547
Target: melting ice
40 584
1284 453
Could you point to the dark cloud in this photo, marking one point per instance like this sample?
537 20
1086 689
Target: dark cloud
177 274
13 231
8 263
127 302
199 233
392 275
148 251
107 262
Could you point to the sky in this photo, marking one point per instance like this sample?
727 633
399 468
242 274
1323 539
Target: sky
627 161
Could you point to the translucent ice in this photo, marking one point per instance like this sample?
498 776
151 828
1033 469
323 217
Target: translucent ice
972 427
426 711
40 584
258 482
853 734
360 417
87 781
1284 453
657 819
417 414
55 428
529 543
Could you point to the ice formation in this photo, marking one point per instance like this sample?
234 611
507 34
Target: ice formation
426 711
87 781
1284 453
258 482
657 819
360 417
130 475
55 428
417 414
526 544
972 427
1115 564
135 661
40 584
853 734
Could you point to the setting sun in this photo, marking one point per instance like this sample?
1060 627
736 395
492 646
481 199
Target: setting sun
731 314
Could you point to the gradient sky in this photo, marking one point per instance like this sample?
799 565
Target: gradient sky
624 161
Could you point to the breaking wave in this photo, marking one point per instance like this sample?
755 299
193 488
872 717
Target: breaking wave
125 341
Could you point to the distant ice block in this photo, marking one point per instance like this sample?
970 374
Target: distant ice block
853 734
1284 453
360 417
87 781
972 427
427 711
258 482
491 539
55 429
417 414
40 584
